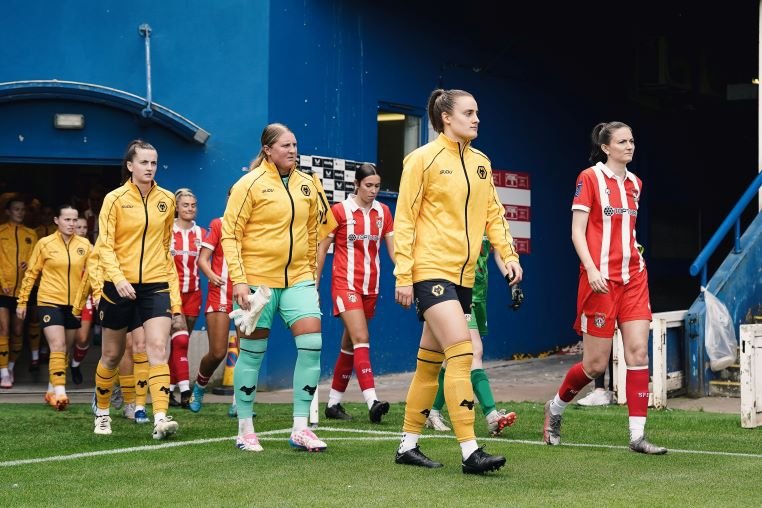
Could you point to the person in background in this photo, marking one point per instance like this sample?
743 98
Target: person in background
613 281
186 245
363 223
16 244
219 303
60 260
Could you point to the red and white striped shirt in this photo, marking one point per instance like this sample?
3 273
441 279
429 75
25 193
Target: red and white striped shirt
219 265
356 261
186 244
613 207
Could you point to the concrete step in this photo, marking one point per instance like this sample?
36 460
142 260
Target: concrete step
725 388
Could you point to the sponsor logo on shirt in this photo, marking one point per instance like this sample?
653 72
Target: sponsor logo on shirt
578 190
305 190
352 237
609 211
482 172
445 172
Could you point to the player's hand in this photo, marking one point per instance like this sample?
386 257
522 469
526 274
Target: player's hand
597 282
23 266
126 290
403 295
241 295
515 273
216 280
21 313
178 322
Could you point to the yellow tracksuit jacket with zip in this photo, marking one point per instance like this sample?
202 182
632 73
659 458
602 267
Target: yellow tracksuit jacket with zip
137 234
62 265
271 228
447 200
16 245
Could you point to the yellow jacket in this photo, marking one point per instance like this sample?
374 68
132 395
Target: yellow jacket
61 264
92 282
137 234
16 245
446 199
270 230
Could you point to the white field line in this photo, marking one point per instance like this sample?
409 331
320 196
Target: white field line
375 435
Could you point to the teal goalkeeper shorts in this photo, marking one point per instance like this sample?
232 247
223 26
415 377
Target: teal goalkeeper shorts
294 303
478 319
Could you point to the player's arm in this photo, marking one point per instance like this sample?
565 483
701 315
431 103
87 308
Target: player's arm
237 213
579 239
499 235
412 184
323 247
34 268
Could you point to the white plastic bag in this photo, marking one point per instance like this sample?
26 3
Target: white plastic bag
720 335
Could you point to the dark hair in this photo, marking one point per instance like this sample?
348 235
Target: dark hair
132 149
442 101
601 135
270 135
63 207
16 198
365 170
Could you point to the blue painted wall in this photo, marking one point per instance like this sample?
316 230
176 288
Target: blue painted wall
322 68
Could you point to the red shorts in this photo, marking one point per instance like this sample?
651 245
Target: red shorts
219 301
598 313
191 303
87 312
344 300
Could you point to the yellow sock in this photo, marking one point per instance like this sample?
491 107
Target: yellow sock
140 372
423 389
57 369
459 394
104 382
4 352
158 383
33 332
128 388
17 345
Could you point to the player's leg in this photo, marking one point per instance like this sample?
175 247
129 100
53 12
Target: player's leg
217 327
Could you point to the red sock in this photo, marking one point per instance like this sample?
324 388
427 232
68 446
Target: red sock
178 357
637 391
79 353
202 380
575 380
342 372
362 367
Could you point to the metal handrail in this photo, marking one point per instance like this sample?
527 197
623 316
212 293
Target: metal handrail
733 218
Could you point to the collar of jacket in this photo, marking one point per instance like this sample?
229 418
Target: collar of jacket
450 144
270 167
134 188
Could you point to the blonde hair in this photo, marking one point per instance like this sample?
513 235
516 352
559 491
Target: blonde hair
270 135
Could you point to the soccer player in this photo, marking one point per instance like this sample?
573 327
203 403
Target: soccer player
274 219
363 223
82 340
60 258
496 419
219 302
136 229
613 281
16 244
447 199
186 245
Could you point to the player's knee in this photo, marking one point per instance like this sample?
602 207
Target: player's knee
309 341
360 338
